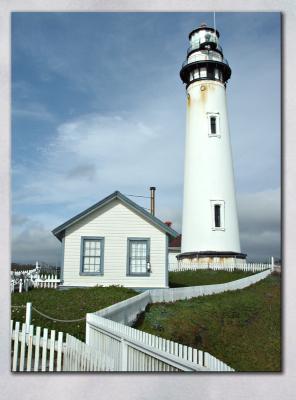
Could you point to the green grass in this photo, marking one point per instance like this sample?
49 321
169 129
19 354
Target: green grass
204 277
67 304
241 328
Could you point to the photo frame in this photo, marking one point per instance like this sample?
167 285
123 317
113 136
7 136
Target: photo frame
135 386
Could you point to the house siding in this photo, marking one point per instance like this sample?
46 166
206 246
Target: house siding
173 257
116 223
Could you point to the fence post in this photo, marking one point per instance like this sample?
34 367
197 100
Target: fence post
28 316
272 264
87 331
124 360
20 286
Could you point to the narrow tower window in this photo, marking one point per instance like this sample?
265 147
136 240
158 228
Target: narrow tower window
217 216
213 126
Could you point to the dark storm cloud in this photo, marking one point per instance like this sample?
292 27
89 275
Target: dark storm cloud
86 171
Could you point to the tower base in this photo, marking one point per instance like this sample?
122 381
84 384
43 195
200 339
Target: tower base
212 257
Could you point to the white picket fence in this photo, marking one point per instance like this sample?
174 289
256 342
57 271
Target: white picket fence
33 281
246 267
33 351
112 346
46 281
20 285
22 272
33 278
123 348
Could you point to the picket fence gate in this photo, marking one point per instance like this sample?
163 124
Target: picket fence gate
31 351
124 348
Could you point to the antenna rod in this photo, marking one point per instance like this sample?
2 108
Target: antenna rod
215 26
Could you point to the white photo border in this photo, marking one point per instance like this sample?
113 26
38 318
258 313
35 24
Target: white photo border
161 386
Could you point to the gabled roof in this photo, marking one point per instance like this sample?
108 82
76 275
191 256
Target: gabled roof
60 230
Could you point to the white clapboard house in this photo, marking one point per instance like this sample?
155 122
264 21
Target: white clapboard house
115 242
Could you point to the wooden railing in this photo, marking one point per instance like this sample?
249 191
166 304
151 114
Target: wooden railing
127 349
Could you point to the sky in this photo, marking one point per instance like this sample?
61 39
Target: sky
98 106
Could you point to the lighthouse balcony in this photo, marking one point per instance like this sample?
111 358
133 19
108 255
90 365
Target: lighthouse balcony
205 69
203 58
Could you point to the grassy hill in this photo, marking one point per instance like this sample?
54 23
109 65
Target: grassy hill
241 328
204 277
67 304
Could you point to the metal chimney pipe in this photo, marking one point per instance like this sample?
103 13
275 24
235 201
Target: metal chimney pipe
152 200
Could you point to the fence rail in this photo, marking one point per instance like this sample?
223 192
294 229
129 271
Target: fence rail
182 293
127 349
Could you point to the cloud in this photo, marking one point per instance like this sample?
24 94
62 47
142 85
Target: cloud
33 111
86 171
260 246
113 152
93 155
19 220
22 90
35 243
260 210
260 223
259 216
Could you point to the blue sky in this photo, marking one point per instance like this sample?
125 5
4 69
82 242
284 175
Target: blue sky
98 106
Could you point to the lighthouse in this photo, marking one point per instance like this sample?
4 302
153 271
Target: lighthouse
210 231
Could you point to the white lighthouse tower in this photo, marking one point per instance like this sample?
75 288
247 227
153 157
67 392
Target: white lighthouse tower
210 226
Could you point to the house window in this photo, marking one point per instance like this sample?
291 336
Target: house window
138 258
214 124
92 256
218 215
